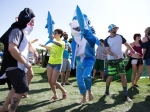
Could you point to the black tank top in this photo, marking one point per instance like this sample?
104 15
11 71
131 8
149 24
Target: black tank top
147 53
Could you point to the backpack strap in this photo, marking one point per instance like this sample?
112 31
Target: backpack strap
22 35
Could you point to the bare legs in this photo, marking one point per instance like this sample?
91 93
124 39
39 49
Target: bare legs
124 84
94 72
140 70
30 75
13 99
62 77
134 69
135 77
66 77
52 79
148 71
101 74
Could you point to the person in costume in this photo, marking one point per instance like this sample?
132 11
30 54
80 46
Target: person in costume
16 50
55 63
30 73
83 52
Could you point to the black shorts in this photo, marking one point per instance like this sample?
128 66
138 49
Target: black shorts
18 79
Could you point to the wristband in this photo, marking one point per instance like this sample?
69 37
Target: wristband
26 65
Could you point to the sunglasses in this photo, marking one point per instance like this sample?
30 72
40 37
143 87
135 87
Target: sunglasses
55 33
66 35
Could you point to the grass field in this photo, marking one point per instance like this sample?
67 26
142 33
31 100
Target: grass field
40 93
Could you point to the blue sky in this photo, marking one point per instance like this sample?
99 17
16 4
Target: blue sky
131 16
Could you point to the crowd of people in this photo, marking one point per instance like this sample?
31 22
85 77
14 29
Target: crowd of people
19 72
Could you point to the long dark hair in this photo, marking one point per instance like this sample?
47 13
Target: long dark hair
137 35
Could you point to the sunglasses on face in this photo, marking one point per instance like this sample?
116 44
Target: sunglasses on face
66 35
55 33
115 28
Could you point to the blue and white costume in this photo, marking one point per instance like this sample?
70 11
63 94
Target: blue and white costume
83 52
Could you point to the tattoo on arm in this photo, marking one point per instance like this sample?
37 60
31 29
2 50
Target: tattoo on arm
13 106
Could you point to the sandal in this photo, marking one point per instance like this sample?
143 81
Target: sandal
64 96
54 98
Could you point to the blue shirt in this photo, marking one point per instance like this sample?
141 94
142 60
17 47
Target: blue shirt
66 53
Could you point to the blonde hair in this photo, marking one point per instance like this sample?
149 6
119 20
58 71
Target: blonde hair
147 31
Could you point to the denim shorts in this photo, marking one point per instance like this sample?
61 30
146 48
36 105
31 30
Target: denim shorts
147 62
56 67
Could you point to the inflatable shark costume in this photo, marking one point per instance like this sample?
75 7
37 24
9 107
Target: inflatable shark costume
83 49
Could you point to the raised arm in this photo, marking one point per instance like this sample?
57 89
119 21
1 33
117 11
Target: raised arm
35 40
47 47
90 37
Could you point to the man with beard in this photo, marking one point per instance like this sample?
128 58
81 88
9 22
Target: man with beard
66 66
113 46
15 62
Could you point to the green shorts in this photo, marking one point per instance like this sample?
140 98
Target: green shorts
116 67
99 65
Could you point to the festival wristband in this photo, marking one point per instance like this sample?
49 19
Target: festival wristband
26 65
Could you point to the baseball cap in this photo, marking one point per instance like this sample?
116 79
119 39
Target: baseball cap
111 26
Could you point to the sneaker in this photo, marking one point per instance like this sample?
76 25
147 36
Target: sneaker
67 83
136 85
62 84
126 98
